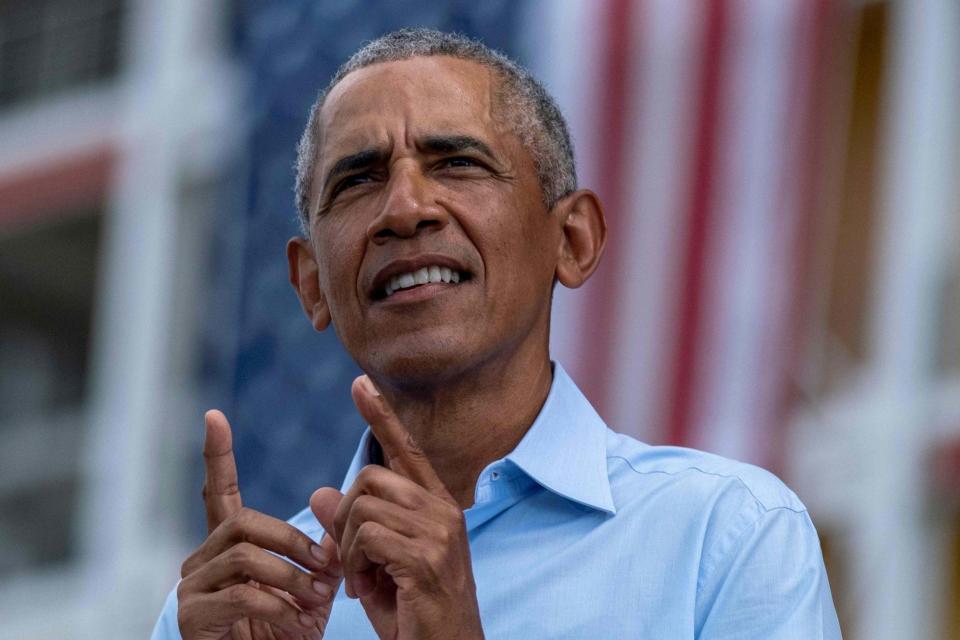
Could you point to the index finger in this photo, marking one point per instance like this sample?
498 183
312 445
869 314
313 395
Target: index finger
221 490
402 453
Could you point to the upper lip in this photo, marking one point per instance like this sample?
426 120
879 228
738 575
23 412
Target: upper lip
407 265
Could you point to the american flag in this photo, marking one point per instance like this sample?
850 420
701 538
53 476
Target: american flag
697 122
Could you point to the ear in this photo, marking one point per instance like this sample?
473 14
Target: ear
304 276
584 237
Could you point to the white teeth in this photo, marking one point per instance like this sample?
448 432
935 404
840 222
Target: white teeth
424 275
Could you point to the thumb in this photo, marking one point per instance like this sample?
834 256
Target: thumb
324 503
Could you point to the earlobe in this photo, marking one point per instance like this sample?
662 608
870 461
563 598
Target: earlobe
304 276
584 237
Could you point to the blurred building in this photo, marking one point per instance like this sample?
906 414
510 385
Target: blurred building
782 283
116 119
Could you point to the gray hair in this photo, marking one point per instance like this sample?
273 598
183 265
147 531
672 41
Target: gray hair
533 115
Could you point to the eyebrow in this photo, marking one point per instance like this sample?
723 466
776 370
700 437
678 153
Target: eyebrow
432 144
352 162
455 144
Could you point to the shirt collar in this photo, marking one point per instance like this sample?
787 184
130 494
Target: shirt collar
564 450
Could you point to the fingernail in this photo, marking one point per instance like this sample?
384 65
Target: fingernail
370 386
322 588
307 621
320 555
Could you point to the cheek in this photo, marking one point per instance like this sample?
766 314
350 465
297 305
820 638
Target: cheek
520 256
516 235
338 273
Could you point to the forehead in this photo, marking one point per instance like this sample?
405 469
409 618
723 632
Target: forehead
375 105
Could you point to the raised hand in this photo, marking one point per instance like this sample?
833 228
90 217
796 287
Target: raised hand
233 586
402 537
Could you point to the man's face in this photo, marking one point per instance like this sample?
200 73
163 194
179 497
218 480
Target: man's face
420 175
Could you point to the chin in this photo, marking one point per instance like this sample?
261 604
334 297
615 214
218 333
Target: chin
418 366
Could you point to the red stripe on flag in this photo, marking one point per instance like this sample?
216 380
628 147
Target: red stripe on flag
693 275
611 130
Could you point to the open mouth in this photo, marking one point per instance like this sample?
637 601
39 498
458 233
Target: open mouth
433 274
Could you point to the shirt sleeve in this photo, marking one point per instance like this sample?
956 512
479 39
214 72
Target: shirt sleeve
167 627
769 583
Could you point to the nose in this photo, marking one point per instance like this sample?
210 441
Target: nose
408 207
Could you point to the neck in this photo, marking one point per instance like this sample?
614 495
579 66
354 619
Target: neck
465 424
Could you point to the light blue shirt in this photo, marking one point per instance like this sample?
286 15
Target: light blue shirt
581 532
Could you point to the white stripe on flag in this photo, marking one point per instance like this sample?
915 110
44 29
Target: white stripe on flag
745 283
654 193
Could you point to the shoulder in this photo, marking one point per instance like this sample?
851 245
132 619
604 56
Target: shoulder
748 537
690 475
720 513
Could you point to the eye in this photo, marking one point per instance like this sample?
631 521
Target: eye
351 181
457 162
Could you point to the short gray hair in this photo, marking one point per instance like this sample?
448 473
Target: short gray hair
533 115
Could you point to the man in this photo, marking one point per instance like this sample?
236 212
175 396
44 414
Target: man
440 208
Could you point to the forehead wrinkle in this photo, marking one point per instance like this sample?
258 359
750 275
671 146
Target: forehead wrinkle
476 89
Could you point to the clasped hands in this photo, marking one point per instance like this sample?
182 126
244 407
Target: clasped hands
397 537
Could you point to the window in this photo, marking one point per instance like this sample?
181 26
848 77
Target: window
49 45
47 276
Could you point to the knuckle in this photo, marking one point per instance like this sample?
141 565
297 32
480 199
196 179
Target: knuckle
230 488
244 515
411 447
417 500
239 597
433 558
367 533
241 553
363 475
189 566
368 475
182 591
227 488
426 564
362 504
240 523
444 536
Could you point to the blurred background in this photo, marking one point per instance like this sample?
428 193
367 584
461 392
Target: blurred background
781 285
